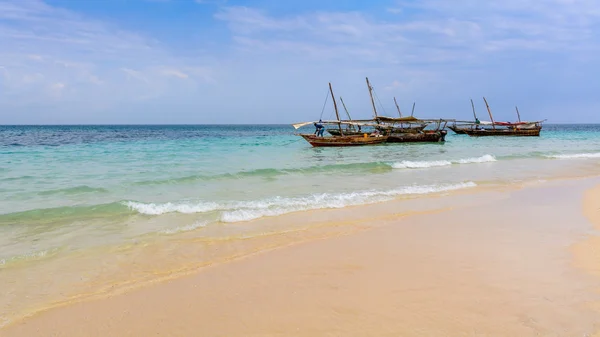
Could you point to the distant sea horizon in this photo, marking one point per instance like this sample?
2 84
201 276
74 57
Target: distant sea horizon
250 124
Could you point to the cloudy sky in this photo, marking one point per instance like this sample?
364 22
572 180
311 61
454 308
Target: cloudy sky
269 61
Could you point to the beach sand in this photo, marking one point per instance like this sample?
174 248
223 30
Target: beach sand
523 264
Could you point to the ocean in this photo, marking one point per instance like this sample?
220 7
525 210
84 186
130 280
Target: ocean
72 193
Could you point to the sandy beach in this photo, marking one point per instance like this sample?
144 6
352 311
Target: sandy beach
503 263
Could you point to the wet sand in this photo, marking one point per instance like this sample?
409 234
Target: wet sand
502 267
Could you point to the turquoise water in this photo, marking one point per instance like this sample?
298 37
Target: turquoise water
89 208
76 187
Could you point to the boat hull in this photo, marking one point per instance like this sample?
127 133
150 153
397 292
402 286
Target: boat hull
457 130
336 132
504 132
423 137
415 129
344 140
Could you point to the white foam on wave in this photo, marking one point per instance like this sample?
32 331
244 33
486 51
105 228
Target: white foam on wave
169 207
186 228
326 200
237 211
575 155
420 164
488 158
406 164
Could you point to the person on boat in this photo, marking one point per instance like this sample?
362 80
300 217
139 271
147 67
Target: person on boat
319 129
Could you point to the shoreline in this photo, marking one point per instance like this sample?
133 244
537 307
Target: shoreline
347 220
356 231
259 230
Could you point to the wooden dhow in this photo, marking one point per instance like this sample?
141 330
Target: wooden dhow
407 129
516 129
342 139
402 125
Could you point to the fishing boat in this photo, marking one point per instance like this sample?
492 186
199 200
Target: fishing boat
336 141
408 124
436 135
342 139
516 129
407 129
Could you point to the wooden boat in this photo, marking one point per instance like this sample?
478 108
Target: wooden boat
504 132
518 129
427 136
342 139
347 132
404 129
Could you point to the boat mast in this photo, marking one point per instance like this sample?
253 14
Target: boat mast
397 107
372 100
413 110
518 114
347 113
337 114
490 112
473 106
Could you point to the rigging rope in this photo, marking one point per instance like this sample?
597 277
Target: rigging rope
323 110
382 108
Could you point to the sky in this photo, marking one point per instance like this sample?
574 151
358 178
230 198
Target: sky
270 61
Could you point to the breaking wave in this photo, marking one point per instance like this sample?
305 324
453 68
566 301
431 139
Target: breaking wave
236 211
575 155
406 164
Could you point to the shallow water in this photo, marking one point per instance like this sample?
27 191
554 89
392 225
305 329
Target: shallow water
55 180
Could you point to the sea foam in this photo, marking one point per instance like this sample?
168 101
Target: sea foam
575 155
406 164
169 207
236 211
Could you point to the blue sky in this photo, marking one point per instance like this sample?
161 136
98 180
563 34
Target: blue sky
269 61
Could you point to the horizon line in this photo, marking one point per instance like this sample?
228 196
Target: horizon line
214 124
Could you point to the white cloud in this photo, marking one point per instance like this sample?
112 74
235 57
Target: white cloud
47 50
424 30
259 65
440 52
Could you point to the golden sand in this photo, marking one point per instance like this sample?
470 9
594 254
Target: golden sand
499 268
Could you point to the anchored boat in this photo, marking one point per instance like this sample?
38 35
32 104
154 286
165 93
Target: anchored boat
407 129
342 139
517 129
353 140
